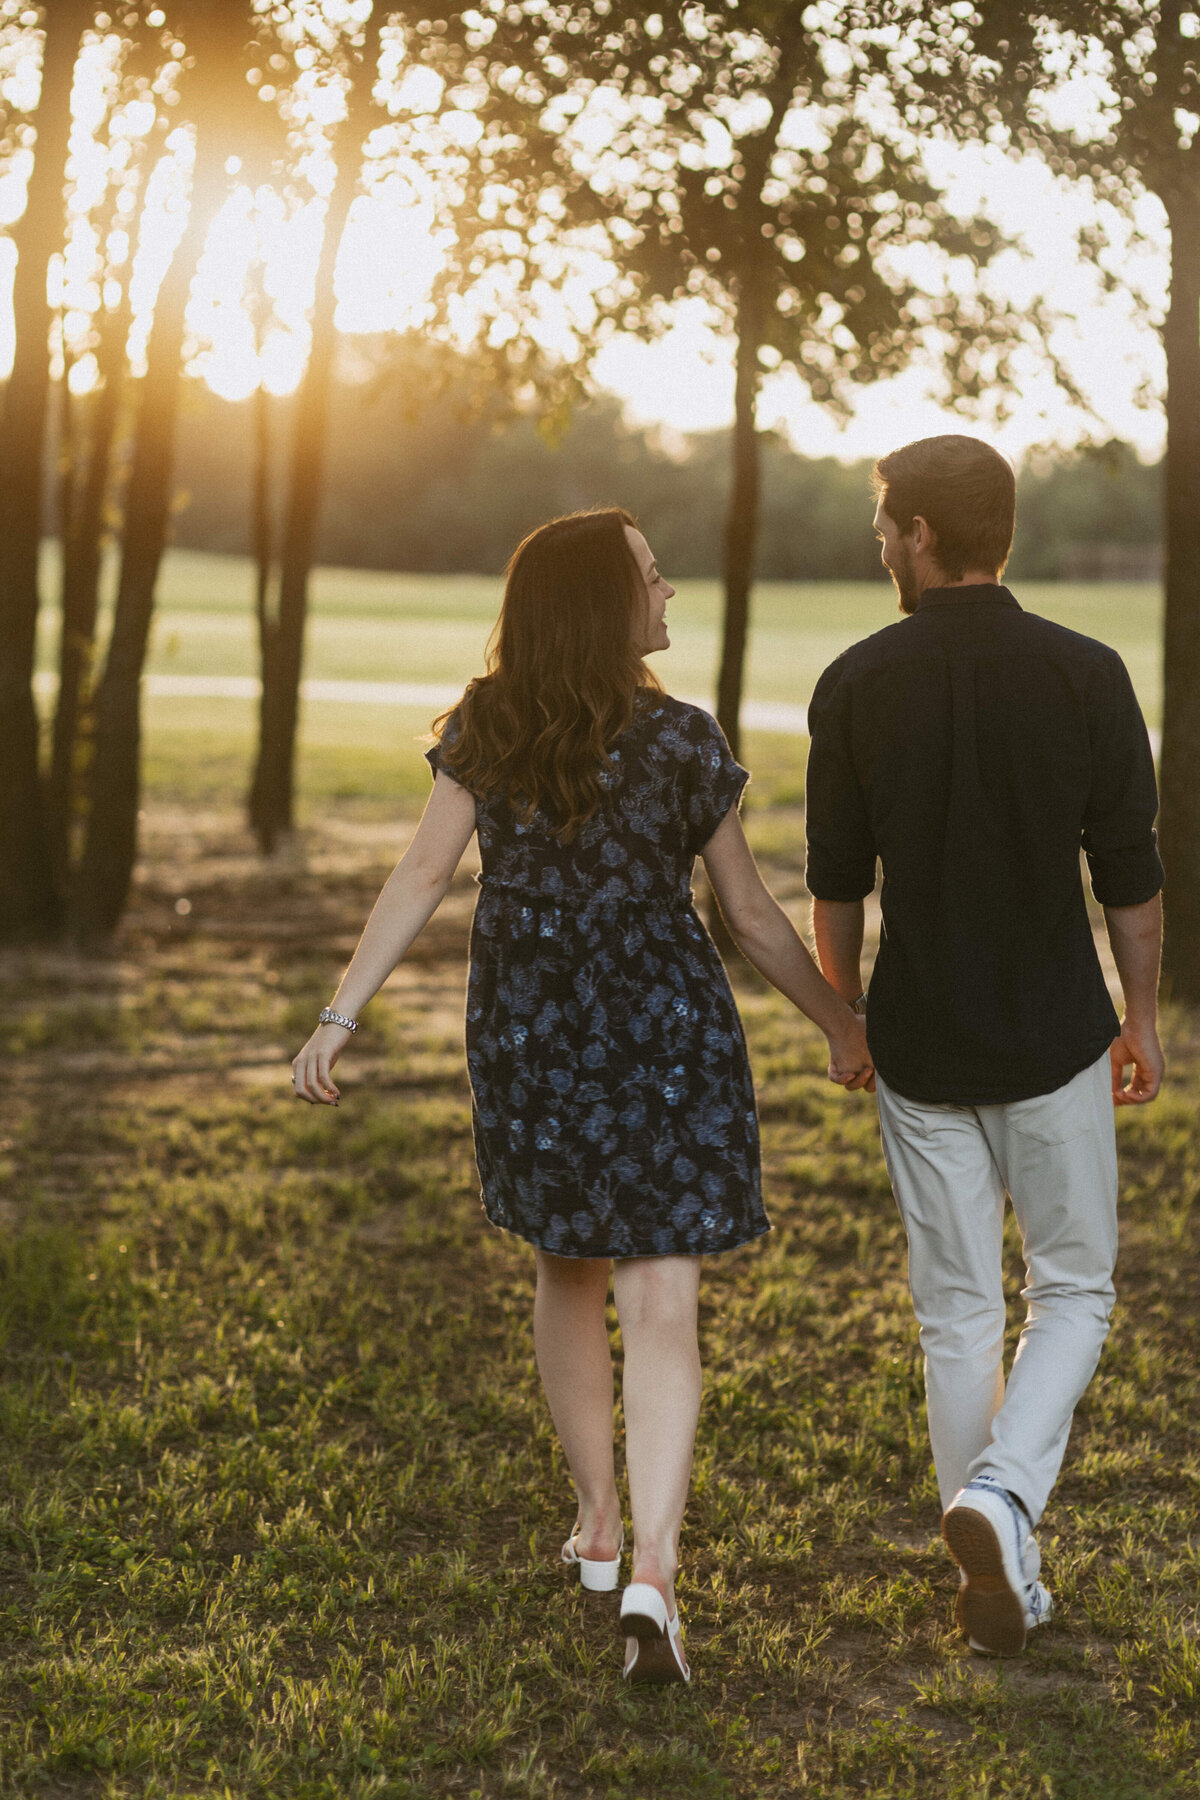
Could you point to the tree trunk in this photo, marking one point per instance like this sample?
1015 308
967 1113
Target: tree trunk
1179 818
30 906
66 449
267 619
83 540
272 794
260 523
257 801
741 525
741 533
106 868
70 435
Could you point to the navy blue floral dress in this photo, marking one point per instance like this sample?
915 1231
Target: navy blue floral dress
613 1104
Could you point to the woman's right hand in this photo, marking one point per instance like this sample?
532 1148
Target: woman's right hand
312 1070
850 1064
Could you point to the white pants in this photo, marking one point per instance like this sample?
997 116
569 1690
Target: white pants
1056 1157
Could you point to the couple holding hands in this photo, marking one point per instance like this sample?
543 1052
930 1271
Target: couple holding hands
973 749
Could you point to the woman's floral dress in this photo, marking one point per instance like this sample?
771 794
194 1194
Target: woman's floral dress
613 1104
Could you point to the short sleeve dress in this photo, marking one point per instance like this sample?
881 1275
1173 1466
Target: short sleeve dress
613 1103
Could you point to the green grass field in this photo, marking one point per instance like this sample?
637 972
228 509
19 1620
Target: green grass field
280 1504
430 628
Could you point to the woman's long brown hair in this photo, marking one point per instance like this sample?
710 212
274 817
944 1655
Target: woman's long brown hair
563 671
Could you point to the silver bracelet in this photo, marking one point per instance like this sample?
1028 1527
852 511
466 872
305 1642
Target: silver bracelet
327 1016
860 1005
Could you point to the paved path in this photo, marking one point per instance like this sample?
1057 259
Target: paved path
757 715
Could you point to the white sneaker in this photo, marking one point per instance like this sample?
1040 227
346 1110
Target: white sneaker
1000 1599
1039 1606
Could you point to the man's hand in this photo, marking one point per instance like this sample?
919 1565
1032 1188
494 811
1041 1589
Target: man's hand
1138 1045
850 1063
1135 934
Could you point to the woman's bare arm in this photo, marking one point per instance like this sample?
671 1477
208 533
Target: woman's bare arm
409 898
767 938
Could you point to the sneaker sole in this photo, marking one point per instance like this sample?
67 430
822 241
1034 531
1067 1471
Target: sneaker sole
990 1615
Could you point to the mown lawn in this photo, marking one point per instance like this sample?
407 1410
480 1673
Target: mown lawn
379 626
280 1506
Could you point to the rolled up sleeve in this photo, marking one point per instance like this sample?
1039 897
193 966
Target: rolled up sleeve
841 850
1119 839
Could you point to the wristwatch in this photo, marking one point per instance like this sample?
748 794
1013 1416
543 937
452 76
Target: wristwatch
860 1005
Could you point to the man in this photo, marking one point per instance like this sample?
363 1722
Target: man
973 748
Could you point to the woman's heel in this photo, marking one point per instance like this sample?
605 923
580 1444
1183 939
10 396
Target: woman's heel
658 1659
597 1576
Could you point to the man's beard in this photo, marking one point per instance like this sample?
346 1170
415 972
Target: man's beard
903 573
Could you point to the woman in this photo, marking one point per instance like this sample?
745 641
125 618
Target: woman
613 1106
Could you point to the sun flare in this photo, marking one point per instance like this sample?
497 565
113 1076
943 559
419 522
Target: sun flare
248 317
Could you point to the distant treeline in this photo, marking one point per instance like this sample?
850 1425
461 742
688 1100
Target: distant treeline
450 486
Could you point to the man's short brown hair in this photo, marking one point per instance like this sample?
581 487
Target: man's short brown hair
963 489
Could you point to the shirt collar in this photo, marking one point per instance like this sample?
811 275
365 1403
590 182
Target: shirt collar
974 594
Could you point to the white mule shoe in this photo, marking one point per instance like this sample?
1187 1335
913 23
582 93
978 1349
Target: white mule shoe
658 1659
596 1576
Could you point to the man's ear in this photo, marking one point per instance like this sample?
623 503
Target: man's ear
924 537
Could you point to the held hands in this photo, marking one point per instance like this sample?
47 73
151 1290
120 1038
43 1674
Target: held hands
1138 1045
850 1064
312 1076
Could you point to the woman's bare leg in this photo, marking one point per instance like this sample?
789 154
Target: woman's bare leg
656 1303
570 1337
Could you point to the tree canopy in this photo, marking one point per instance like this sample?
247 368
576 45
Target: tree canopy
584 168
750 158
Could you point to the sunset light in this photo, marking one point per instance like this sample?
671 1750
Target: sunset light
599 772
682 382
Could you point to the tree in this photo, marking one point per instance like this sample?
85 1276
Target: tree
88 438
463 151
282 631
262 533
227 118
28 900
748 156
85 489
996 73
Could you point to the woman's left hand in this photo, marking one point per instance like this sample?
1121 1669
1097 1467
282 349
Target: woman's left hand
312 1070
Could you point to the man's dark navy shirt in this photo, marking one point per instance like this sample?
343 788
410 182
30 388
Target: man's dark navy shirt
973 748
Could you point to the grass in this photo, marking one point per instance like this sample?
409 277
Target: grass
433 629
364 762
280 1504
